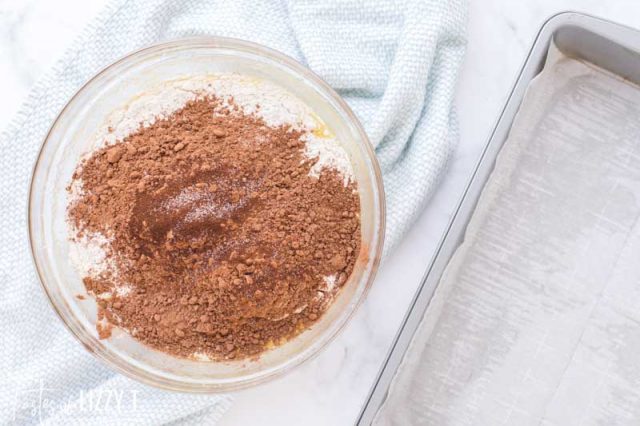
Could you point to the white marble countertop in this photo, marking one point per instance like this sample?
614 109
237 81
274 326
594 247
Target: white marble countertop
331 388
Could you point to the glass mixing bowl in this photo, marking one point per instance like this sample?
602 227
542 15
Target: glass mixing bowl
72 135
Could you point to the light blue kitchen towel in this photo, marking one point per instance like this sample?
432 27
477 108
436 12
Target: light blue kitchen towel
396 64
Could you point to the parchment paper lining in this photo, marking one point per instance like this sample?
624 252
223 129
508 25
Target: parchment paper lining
537 317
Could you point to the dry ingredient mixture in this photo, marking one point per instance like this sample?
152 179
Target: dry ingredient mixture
217 240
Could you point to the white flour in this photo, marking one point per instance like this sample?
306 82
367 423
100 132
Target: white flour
88 254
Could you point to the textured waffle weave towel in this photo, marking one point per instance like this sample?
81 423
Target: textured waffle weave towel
394 62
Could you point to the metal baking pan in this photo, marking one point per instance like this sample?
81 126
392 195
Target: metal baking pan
611 46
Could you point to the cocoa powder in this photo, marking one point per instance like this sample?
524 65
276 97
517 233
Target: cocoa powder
225 244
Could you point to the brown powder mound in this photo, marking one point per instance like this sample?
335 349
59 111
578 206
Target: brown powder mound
219 231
